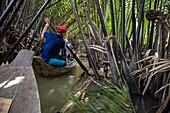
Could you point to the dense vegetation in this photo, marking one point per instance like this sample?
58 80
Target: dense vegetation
128 38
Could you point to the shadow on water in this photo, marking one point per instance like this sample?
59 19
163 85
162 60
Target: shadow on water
145 104
54 90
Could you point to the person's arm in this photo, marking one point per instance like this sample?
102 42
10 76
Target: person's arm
46 25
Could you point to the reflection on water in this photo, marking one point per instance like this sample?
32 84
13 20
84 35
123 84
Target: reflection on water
54 90
145 104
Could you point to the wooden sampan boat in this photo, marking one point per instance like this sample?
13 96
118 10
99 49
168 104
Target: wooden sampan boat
41 68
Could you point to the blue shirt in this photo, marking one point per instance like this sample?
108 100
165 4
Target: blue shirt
51 48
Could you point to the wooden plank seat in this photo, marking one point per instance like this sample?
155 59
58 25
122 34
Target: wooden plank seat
18 87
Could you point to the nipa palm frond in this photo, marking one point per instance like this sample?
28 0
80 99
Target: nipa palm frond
147 72
109 99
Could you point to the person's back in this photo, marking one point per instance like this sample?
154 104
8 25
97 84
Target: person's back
54 43
52 46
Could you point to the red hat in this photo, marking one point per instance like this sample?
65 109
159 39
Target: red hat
62 29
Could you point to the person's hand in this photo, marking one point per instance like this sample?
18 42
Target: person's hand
47 20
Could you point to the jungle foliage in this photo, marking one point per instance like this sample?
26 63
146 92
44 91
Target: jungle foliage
128 39
107 99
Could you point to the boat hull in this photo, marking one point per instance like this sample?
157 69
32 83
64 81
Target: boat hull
41 68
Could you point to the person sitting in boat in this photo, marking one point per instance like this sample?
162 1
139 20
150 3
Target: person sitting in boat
53 44
69 55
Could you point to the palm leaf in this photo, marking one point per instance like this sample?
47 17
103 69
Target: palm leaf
147 58
163 87
109 99
161 67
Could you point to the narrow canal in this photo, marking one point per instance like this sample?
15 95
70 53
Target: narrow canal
54 90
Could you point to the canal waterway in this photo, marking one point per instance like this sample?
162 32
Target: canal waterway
54 90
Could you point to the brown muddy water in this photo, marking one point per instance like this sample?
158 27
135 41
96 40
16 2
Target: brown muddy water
54 90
